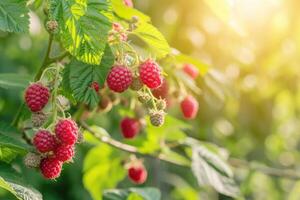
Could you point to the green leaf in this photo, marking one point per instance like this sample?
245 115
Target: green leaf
14 16
14 81
10 145
83 27
102 170
211 170
9 180
154 41
181 58
81 75
126 13
146 193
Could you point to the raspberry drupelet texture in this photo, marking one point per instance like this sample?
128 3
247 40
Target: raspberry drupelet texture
51 167
150 74
32 160
137 174
191 70
130 127
44 141
36 96
189 107
66 131
64 152
119 78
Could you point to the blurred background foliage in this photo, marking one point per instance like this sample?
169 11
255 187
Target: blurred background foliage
253 47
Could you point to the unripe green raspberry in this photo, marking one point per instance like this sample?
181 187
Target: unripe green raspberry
136 84
161 104
38 119
52 26
32 160
143 97
157 117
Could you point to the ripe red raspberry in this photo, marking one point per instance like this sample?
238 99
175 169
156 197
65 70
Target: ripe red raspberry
150 74
66 131
137 173
119 78
189 107
162 91
64 152
95 86
50 168
130 127
191 70
128 3
36 96
44 141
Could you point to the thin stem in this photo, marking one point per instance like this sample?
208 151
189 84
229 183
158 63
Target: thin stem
54 106
128 148
45 62
152 98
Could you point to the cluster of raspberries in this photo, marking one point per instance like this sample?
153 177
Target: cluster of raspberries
53 149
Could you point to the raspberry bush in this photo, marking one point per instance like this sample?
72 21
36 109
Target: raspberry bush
112 100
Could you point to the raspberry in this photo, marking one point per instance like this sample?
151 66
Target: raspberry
150 74
95 86
157 118
189 107
119 78
64 152
162 91
137 173
130 127
32 160
50 168
128 3
38 119
136 84
66 131
44 141
36 96
52 26
191 70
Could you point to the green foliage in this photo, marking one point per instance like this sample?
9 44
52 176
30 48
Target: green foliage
78 77
126 13
153 40
14 16
10 181
145 193
14 81
10 145
209 169
83 27
102 170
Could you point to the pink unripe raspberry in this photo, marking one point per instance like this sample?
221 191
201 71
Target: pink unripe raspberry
137 174
191 70
128 3
50 168
44 141
64 152
36 96
130 127
119 78
66 131
117 26
150 74
189 107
